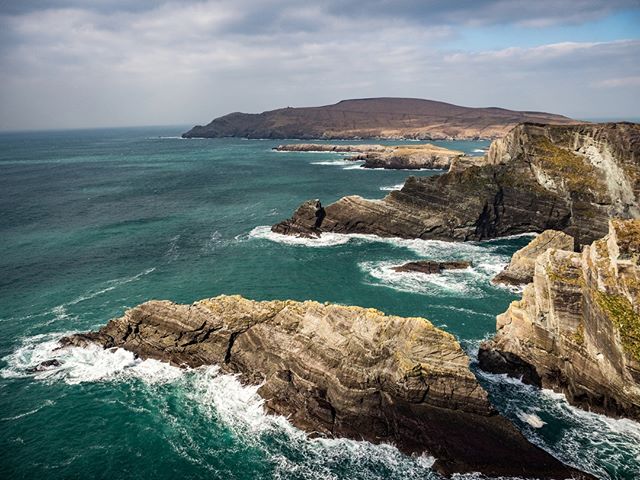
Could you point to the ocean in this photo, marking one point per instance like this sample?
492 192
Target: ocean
93 222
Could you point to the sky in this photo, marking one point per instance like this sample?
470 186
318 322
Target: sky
95 63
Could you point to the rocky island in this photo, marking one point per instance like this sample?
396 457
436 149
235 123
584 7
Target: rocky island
577 327
389 118
570 178
409 157
341 371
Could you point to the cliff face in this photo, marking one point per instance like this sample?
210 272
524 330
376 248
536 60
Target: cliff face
341 371
577 327
539 177
521 268
392 118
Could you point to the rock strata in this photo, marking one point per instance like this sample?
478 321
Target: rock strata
341 371
522 265
409 157
429 266
577 327
539 177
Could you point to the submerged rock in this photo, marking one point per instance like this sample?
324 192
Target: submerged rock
522 265
577 327
429 266
570 178
341 371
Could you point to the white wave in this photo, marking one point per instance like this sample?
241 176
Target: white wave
337 162
479 150
447 283
326 240
588 440
78 365
390 188
531 418
355 167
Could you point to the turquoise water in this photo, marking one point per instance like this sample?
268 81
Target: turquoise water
93 222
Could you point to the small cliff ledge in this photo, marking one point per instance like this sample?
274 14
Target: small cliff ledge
522 265
390 118
571 178
410 157
341 371
577 327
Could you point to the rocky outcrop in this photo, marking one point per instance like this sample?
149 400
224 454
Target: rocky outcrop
522 265
429 266
390 118
341 371
539 177
577 327
409 157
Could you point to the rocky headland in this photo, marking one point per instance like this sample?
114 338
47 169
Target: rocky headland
577 327
570 178
409 157
341 371
388 118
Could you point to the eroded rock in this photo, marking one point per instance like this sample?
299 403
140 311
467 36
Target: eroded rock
430 266
522 265
341 371
577 327
538 177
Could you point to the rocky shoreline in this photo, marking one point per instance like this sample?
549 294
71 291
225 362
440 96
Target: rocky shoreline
538 177
398 157
341 371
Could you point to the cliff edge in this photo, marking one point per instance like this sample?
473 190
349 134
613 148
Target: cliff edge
577 327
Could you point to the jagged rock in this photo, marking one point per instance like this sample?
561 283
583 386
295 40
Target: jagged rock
46 365
522 265
390 118
341 371
577 327
539 177
409 157
429 266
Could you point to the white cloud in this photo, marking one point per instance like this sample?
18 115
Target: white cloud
186 62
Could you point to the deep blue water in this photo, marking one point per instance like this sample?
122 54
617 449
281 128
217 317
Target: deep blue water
95 221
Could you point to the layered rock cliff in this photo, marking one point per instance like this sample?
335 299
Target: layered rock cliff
410 157
521 268
341 371
577 327
568 178
391 118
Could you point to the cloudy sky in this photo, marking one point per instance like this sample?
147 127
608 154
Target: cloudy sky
91 63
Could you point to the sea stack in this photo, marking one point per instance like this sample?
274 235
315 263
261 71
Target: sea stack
341 371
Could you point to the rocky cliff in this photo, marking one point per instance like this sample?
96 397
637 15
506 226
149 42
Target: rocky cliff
391 118
341 371
538 177
577 327
522 265
410 157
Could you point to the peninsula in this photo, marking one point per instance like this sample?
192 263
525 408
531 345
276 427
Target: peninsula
384 118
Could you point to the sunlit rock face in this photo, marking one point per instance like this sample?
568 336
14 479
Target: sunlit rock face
570 178
577 327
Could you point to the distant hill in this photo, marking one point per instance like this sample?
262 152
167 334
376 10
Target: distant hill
391 118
